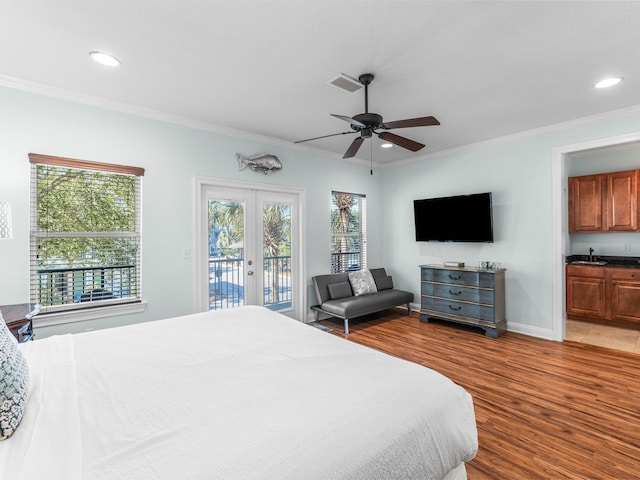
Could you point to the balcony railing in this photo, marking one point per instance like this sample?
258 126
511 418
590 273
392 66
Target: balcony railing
345 261
226 282
63 286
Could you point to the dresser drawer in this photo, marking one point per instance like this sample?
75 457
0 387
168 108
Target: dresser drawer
460 293
463 309
455 277
456 292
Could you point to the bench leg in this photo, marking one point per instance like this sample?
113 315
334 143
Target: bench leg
346 326
409 308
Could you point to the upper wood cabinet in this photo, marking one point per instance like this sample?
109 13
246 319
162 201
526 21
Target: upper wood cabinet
606 202
585 203
622 201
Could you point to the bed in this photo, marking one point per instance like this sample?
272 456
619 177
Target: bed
238 394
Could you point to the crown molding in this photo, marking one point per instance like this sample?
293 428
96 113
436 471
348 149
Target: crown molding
610 115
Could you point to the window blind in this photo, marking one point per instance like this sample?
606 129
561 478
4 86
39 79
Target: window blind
348 232
85 241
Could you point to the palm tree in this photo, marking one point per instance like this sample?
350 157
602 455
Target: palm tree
341 220
277 229
227 217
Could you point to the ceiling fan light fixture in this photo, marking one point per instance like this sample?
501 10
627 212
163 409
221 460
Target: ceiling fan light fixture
386 145
608 82
104 59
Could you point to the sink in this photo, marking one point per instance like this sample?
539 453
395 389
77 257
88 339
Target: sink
587 262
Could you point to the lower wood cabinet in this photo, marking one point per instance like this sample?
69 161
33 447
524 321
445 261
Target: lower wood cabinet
586 292
625 294
603 293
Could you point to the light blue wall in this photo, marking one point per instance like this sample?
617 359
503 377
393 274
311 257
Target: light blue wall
518 170
171 156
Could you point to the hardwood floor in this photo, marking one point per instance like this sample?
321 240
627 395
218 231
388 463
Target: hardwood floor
544 410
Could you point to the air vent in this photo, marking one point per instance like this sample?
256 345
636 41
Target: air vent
345 82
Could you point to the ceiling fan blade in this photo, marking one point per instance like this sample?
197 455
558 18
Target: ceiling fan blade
348 120
353 148
401 141
411 122
323 136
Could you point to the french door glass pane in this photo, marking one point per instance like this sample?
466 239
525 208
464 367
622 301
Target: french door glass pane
276 226
226 253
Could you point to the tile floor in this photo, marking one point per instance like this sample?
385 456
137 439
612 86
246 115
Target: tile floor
617 338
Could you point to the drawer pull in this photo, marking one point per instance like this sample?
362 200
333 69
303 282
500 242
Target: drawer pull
455 308
455 293
455 277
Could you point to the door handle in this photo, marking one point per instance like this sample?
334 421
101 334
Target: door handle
250 272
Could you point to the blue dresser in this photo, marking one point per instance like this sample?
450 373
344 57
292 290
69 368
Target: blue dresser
472 296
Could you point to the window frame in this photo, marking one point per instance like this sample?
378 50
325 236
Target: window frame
360 234
77 311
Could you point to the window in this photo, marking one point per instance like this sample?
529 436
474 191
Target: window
348 232
85 233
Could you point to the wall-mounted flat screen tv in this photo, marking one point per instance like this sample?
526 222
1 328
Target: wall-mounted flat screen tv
461 218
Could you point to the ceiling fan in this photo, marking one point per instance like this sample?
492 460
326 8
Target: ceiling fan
366 124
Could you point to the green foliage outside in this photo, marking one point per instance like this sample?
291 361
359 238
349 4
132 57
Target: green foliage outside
346 229
85 238
76 211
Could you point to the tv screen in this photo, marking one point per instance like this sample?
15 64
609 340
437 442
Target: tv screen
462 218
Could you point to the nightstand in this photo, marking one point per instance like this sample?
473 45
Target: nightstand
19 319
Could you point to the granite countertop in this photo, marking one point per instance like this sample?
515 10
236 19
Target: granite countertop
611 261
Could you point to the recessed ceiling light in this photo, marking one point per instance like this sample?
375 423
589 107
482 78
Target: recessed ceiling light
608 82
386 145
105 59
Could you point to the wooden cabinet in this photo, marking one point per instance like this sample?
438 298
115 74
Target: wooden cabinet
606 202
625 294
622 201
470 296
585 203
586 291
603 294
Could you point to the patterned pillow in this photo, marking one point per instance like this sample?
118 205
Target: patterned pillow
14 382
362 282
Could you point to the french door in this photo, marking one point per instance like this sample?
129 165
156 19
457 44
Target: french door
249 249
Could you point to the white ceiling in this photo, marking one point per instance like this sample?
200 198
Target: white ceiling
485 69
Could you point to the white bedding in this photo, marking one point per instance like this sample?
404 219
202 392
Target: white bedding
240 394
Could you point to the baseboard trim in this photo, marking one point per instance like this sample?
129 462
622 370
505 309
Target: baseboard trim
545 333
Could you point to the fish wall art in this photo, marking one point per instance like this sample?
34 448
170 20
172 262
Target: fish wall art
265 163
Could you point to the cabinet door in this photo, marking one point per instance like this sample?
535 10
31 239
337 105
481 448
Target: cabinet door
625 301
622 201
585 203
624 294
586 296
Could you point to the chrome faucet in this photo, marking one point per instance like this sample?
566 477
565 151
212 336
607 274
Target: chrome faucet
591 254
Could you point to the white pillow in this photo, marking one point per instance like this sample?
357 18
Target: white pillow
362 282
14 382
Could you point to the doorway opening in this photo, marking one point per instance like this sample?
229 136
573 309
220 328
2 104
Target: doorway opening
561 240
249 247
